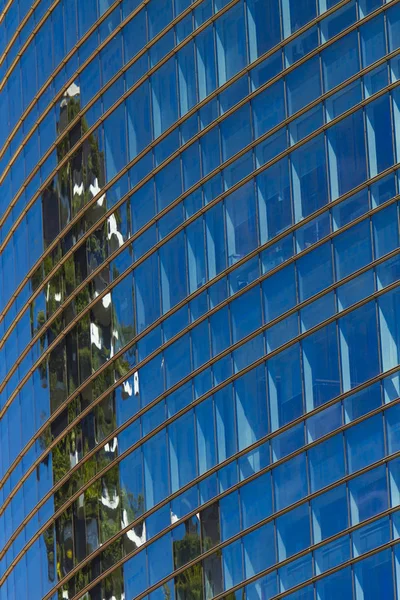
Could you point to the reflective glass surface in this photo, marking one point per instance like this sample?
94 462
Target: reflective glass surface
199 300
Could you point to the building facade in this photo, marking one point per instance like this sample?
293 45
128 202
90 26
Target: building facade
199 300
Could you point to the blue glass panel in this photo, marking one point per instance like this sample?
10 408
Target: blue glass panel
365 443
368 494
293 530
340 60
310 186
275 211
231 58
374 576
347 155
251 407
262 38
358 341
164 96
295 15
326 462
330 513
303 85
290 482
285 390
256 500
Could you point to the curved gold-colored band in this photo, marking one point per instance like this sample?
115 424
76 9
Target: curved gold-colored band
57 70
20 27
300 337
315 578
147 178
211 361
242 452
159 244
32 36
232 539
145 77
364 185
113 79
167 161
29 39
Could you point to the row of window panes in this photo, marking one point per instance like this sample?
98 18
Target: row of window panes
241 237
158 18
365 496
352 250
356 330
274 95
179 175
208 74
371 578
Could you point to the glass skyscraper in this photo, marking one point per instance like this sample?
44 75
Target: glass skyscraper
199 300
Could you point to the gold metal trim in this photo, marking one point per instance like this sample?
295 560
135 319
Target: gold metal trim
300 337
159 244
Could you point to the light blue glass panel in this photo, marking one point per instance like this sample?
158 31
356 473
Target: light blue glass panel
347 155
362 402
389 328
356 289
232 559
295 573
293 531
374 577
115 142
256 500
337 585
205 435
353 249
206 62
254 560
290 481
196 257
315 271
231 57
332 554
344 99
380 141
393 19
310 190
251 407
326 462
225 423
295 15
172 261
386 231
155 468
182 454
321 366
275 211
263 24
229 511
187 78
359 346
285 393
241 230
373 43
330 513
368 494
135 579
303 84
164 97
340 60
139 125
235 132
147 292
371 536
216 249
